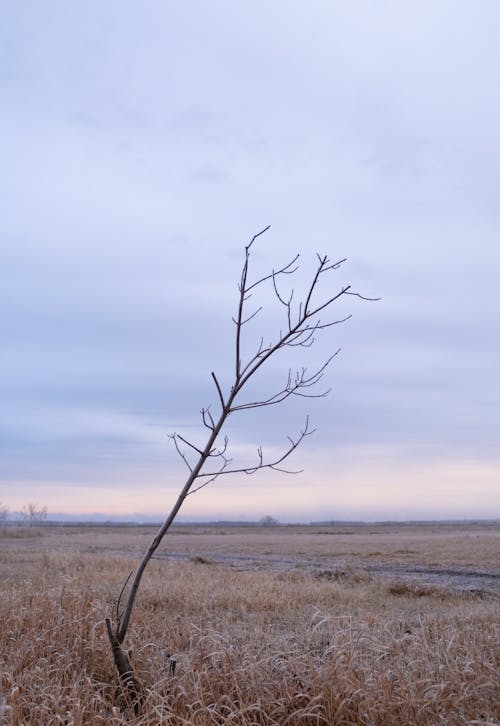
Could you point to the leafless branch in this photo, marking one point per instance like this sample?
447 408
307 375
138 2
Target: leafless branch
303 324
175 438
243 293
212 477
252 316
219 390
207 418
285 270
286 303
118 613
188 443
363 297
220 452
294 443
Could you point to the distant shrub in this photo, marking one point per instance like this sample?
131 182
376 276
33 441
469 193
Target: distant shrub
268 521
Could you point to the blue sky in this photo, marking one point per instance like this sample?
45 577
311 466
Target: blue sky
144 144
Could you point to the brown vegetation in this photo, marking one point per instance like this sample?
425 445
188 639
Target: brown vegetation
287 645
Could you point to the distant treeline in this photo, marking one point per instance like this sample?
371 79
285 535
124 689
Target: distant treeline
256 523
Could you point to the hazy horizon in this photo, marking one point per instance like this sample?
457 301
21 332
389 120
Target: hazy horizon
149 520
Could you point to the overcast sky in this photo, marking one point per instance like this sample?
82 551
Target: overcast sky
142 146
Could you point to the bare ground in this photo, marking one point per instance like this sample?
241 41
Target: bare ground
457 578
462 557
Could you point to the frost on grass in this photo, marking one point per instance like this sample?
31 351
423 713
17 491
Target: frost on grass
249 647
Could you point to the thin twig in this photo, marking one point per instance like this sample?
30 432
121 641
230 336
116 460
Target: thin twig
219 390
118 614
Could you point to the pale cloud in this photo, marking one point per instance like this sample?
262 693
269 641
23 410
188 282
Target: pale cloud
143 147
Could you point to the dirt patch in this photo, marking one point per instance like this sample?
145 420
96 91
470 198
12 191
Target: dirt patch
457 578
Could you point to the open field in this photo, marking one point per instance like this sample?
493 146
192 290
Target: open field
366 624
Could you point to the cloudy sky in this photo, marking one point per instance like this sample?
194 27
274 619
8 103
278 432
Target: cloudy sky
142 146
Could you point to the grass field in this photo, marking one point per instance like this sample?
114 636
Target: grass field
367 624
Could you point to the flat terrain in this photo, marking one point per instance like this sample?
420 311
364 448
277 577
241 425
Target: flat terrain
369 624
462 556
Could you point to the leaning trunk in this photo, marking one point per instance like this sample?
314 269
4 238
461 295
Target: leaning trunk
132 688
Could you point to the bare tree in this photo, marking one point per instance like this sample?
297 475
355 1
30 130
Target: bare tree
33 514
268 521
4 515
210 460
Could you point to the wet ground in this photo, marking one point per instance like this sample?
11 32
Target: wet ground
457 578
462 557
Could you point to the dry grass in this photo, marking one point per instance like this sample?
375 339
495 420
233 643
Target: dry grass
268 647
472 545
